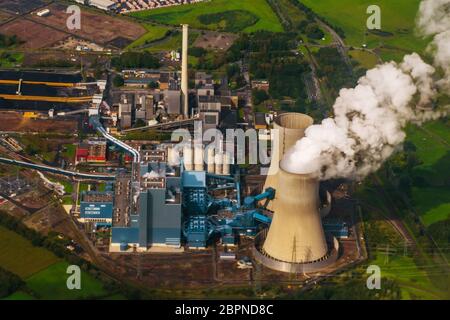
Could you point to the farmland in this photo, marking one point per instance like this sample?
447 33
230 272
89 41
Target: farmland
398 24
225 15
43 273
51 284
19 256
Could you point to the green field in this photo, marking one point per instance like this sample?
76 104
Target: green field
397 19
51 284
433 148
414 282
193 14
19 256
154 33
365 58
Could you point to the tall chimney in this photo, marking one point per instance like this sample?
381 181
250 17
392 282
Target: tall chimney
184 71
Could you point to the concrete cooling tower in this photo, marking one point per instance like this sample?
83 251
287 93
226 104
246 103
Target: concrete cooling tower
291 128
296 233
295 241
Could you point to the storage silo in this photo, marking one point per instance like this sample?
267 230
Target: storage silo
226 163
198 158
210 158
218 160
188 158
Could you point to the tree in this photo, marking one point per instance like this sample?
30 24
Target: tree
153 85
118 81
259 96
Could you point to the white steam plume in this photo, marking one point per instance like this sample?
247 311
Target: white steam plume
369 119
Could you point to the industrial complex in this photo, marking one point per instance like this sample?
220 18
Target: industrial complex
171 197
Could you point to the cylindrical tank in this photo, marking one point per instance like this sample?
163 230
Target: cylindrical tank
296 234
198 158
172 156
188 158
218 160
290 128
226 164
210 158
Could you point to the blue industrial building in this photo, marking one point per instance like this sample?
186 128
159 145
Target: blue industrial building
158 219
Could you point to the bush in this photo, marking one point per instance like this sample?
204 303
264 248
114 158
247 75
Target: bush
118 81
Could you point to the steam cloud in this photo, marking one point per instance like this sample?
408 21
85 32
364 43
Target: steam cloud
368 122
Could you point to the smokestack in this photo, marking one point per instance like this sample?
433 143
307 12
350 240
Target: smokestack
184 71
291 127
296 234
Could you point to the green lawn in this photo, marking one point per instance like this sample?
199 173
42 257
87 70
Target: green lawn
176 15
397 18
19 256
154 32
51 284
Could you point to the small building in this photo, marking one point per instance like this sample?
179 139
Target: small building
263 85
260 121
106 5
43 13
96 212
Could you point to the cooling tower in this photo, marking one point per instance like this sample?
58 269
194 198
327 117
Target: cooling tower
291 127
296 234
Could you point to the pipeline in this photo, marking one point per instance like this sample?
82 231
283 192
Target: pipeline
73 174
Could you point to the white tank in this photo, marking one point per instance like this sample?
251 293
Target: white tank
210 160
172 156
218 159
198 158
188 158
226 164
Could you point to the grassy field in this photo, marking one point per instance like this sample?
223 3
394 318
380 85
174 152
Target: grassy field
19 256
51 284
365 58
154 33
414 281
433 148
192 15
397 19
412 276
